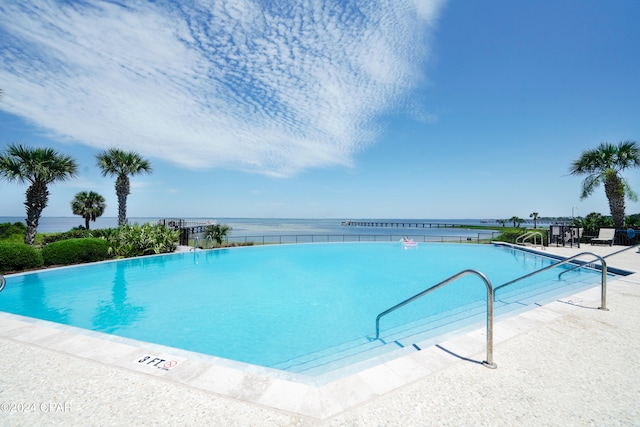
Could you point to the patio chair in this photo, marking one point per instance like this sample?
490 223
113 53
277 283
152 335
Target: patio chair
605 237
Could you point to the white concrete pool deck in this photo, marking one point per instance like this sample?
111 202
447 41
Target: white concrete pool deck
564 363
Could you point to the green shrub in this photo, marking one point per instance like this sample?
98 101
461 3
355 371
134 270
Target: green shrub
18 256
72 234
102 232
633 220
592 223
74 251
12 233
511 234
136 240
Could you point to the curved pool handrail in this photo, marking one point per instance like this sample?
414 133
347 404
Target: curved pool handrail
489 362
603 293
521 240
3 282
591 262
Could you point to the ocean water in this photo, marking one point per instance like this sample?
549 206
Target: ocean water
279 226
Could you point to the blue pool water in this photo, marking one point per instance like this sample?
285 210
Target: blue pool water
305 308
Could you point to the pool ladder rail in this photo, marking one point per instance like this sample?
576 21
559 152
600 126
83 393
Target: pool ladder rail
590 263
491 294
208 243
3 282
522 240
489 362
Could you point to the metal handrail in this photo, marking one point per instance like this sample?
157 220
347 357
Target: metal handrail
491 291
208 240
603 293
3 282
489 362
586 264
196 242
521 237
525 236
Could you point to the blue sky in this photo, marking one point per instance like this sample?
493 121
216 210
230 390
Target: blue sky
324 109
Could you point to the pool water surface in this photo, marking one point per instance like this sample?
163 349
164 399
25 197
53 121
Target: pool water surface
307 308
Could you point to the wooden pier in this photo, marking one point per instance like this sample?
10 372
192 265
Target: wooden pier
188 229
400 224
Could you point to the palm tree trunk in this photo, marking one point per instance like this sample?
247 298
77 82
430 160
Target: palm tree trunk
37 198
123 189
614 190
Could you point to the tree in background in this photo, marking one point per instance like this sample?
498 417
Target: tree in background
592 223
40 167
534 215
122 164
217 232
603 165
89 205
516 221
633 220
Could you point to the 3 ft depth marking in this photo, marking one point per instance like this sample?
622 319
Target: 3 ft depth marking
158 362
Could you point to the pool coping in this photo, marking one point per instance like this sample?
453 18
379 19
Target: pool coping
311 397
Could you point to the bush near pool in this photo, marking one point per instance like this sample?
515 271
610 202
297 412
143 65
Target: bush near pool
75 251
18 256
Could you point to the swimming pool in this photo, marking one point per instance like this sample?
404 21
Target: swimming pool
307 308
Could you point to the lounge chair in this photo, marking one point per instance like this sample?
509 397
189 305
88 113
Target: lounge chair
605 237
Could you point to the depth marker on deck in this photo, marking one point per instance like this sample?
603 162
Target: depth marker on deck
162 362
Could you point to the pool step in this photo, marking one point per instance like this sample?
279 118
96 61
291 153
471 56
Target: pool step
429 330
545 291
395 338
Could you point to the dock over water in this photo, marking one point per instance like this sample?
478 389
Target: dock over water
401 224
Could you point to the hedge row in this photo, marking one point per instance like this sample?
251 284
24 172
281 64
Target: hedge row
73 234
18 256
75 251
8 229
81 246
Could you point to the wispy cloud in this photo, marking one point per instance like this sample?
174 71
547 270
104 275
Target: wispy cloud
266 87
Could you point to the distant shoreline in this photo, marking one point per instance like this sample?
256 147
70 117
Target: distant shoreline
275 226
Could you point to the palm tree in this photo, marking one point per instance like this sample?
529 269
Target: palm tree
89 205
603 165
121 164
40 167
516 221
218 232
534 215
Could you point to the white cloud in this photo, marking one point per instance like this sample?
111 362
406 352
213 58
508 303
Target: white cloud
272 89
